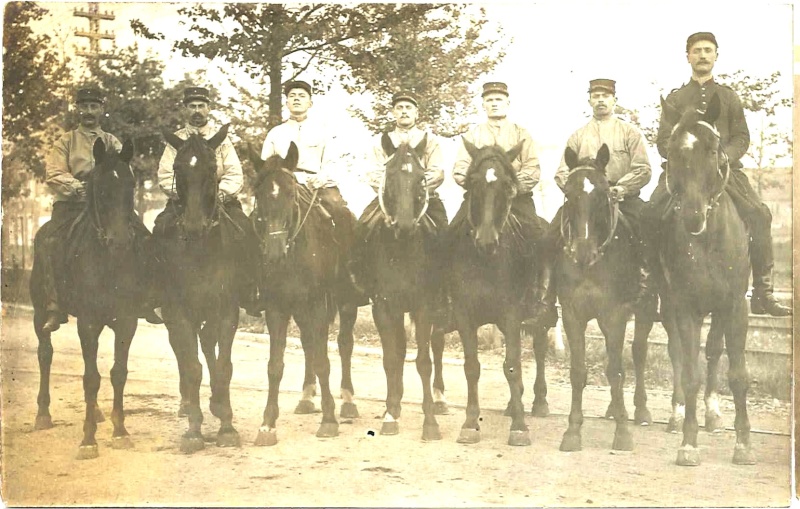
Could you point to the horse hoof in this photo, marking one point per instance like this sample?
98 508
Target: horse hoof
266 438
430 432
675 425
43 422
540 409
123 442
88 452
743 455
328 430
714 423
98 415
519 437
469 436
622 442
390 428
228 439
571 442
192 443
688 456
642 417
440 408
348 411
305 407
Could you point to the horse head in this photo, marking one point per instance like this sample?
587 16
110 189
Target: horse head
275 216
110 190
196 183
589 215
694 177
491 184
403 195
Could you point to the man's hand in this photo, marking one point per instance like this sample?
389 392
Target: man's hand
617 193
221 197
314 181
80 190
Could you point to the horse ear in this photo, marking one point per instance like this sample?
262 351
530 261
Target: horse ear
388 147
173 140
515 151
671 113
292 156
126 154
216 140
570 157
99 150
255 158
420 148
712 112
602 158
472 150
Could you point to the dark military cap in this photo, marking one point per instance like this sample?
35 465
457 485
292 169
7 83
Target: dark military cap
603 84
196 94
296 84
494 87
405 96
701 36
89 94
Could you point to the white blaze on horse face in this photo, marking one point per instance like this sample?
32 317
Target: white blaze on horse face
588 187
193 161
491 176
275 189
689 141
407 167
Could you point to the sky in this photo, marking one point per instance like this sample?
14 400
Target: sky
553 50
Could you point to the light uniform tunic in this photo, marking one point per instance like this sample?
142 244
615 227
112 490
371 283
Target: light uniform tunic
431 160
312 142
72 158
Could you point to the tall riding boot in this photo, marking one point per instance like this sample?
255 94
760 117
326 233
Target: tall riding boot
55 315
763 302
544 312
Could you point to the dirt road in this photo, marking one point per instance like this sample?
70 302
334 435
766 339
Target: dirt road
358 468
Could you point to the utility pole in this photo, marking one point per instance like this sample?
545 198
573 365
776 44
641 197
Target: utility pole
94 35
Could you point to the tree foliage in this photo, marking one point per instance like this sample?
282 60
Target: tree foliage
367 44
33 98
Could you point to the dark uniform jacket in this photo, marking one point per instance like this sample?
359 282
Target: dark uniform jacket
735 137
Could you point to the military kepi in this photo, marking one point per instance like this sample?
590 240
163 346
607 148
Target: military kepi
494 87
701 36
603 84
296 84
89 94
404 96
196 94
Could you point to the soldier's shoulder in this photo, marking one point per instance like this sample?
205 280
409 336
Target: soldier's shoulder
677 90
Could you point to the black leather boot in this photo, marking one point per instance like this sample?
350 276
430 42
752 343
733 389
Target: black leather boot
53 321
543 310
763 302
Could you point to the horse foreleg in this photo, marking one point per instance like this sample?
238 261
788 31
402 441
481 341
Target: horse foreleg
641 332
277 323
347 320
512 368
714 347
689 324
220 405
209 334
540 407
89 333
306 403
422 333
575 329
183 410
124 330
675 351
386 321
437 347
183 339
613 329
317 328
735 339
45 356
468 332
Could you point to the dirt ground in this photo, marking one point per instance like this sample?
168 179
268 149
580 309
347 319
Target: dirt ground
360 467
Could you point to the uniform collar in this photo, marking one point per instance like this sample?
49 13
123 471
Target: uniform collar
95 131
498 123
202 131
696 83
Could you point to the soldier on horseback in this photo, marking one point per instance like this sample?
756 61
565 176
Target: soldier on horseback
498 130
236 226
701 53
67 167
628 170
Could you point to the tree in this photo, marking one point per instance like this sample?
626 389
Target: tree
280 42
33 96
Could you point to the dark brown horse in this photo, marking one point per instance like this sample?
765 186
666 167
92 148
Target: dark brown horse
200 297
487 279
598 274
299 280
103 290
401 276
705 257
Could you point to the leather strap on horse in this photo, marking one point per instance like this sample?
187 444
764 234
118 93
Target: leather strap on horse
312 202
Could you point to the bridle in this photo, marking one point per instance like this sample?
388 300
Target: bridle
714 200
566 231
216 207
100 230
264 239
472 225
390 221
